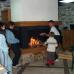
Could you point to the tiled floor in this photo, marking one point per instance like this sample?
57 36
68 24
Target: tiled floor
39 67
38 70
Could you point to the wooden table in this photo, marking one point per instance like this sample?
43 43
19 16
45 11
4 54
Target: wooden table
68 56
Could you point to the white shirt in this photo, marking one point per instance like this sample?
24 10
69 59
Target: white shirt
5 59
3 45
54 30
52 44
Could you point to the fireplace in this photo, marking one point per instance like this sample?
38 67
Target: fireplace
29 36
34 42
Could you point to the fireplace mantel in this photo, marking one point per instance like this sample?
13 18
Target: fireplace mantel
27 29
35 23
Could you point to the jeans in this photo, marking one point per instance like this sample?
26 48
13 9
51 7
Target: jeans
17 53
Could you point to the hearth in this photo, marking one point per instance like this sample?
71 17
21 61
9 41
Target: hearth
29 36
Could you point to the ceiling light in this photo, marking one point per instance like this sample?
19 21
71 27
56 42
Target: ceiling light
66 1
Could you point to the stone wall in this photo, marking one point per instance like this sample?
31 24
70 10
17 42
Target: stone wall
66 13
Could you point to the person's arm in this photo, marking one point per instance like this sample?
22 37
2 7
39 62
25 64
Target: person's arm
3 44
3 50
44 34
11 37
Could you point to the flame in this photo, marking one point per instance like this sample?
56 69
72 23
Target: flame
33 42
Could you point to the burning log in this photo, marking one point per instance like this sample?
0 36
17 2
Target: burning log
34 42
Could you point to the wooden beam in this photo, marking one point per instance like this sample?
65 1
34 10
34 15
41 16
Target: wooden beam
32 23
35 23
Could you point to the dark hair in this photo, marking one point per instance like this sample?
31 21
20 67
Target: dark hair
52 33
1 24
11 23
50 21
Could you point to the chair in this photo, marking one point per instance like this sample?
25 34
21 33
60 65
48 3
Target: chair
72 49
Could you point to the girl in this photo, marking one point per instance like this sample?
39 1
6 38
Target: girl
51 43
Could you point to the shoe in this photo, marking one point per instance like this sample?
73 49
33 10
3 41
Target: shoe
14 67
26 64
52 63
47 64
18 65
56 60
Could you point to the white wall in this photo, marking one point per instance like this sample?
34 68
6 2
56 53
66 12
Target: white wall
34 10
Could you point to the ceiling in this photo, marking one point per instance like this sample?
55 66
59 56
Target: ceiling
3 0
59 3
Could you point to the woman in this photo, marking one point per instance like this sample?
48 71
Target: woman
14 42
5 60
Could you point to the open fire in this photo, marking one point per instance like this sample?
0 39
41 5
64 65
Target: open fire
34 42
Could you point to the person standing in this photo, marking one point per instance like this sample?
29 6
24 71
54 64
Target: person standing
13 42
55 30
52 44
5 59
57 34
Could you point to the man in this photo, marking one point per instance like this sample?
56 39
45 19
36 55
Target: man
57 34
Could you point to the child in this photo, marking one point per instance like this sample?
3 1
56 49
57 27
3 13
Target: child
51 49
